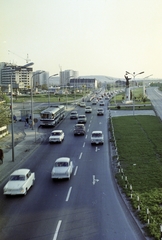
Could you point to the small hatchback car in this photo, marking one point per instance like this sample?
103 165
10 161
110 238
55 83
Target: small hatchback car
101 103
79 129
73 115
100 111
56 136
88 109
97 137
82 119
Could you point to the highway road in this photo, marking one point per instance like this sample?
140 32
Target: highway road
156 98
86 207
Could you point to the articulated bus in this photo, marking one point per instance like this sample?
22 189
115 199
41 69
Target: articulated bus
52 115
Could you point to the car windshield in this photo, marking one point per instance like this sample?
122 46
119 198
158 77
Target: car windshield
97 135
17 178
61 164
79 127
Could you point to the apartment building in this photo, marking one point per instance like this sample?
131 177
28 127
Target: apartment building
21 76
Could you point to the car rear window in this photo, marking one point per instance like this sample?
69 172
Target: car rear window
56 134
61 164
96 134
17 178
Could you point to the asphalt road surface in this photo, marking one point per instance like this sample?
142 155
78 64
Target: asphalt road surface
86 207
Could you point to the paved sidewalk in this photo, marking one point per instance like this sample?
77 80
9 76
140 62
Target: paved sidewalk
26 141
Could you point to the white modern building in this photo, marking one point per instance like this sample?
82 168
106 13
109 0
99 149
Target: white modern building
40 79
66 75
80 83
21 76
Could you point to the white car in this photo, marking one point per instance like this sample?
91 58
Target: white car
97 137
82 119
100 111
101 103
63 168
19 182
73 115
82 104
88 109
56 136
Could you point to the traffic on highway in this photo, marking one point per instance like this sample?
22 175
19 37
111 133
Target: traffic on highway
83 203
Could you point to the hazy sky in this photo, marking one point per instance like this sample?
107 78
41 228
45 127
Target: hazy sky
93 37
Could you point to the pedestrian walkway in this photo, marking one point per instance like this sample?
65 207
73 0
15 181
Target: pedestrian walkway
26 141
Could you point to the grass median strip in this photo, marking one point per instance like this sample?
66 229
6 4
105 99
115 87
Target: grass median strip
139 147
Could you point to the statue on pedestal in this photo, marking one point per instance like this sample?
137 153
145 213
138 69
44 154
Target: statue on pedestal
127 80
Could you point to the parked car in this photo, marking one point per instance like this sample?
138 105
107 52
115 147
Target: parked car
100 111
88 109
19 182
56 136
79 129
82 119
97 137
63 168
73 115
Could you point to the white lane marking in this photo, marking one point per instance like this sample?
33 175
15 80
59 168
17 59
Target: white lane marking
84 144
89 125
76 169
68 195
88 130
97 149
80 155
57 229
86 136
95 180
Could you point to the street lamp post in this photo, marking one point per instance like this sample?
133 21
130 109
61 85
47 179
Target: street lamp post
133 75
12 123
32 118
48 87
66 91
12 120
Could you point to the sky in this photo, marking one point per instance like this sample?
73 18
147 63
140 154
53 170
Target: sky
93 37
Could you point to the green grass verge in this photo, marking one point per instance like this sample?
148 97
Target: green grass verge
140 103
139 146
44 98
